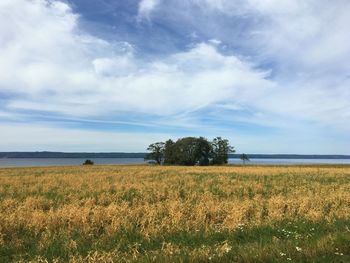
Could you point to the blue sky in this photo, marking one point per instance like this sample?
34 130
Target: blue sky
84 75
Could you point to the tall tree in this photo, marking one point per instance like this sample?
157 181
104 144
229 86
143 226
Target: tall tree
203 151
169 152
156 152
186 150
220 150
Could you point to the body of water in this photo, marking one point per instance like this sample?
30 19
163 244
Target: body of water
29 162
32 162
290 161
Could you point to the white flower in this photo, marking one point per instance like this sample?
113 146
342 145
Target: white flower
298 249
282 254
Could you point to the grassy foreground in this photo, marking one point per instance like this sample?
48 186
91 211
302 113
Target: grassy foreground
175 214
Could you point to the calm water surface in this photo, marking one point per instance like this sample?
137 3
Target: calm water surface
291 161
29 162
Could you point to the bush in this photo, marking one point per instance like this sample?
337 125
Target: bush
88 162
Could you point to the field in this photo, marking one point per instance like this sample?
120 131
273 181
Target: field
175 214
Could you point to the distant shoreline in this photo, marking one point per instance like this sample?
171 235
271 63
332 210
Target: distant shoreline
46 154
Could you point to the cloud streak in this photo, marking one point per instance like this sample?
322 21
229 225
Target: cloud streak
264 61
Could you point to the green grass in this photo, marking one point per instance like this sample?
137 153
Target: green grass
274 242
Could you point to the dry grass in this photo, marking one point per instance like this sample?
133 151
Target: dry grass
176 214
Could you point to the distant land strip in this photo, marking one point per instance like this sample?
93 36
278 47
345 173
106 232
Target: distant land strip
46 154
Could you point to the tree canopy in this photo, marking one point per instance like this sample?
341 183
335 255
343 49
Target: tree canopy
190 151
244 157
156 152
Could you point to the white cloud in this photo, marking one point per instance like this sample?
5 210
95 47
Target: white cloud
306 42
215 42
48 63
64 70
146 7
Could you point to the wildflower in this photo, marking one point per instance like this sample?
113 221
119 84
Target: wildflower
226 247
289 259
282 254
240 226
298 249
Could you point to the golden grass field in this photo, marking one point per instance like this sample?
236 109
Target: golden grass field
175 214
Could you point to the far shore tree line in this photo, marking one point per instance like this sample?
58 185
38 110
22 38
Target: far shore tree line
192 151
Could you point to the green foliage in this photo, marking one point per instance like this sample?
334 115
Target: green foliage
157 152
88 162
190 151
170 152
220 150
203 151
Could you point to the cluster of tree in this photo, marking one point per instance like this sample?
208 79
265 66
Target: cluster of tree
190 151
88 162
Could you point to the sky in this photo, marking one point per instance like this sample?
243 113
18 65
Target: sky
116 75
